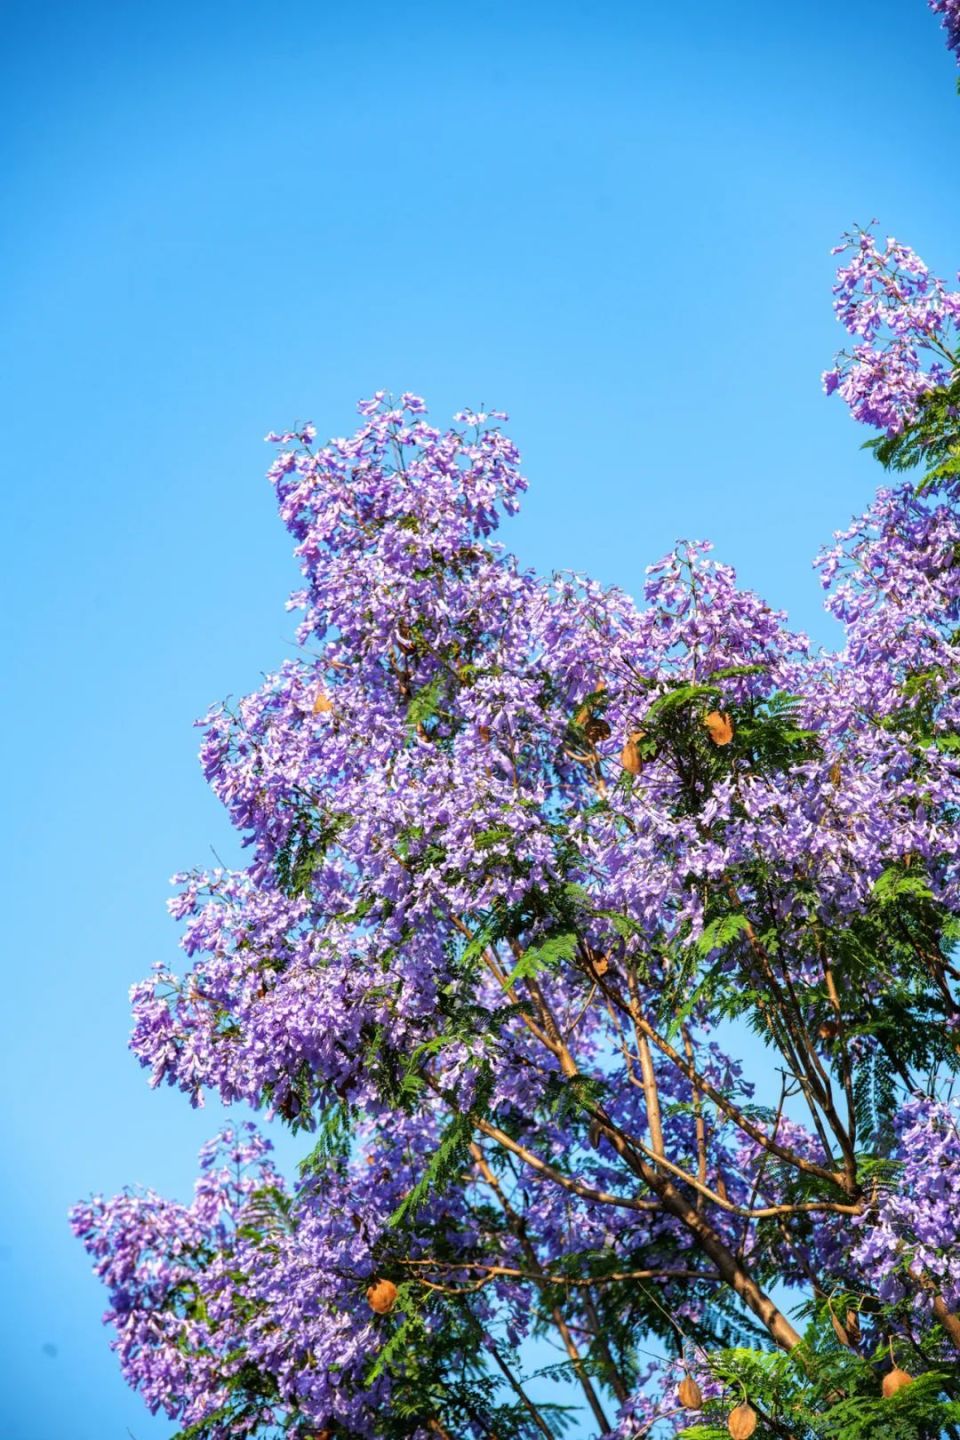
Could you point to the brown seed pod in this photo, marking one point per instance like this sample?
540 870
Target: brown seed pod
484 732
894 1381
599 962
836 774
742 1422
689 1394
630 754
382 1296
828 1030
596 729
323 704
841 1331
719 727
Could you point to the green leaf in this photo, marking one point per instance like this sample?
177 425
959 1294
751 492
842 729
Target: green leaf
665 705
543 957
424 704
718 934
896 883
494 836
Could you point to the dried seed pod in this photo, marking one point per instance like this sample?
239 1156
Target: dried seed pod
719 727
836 774
829 1030
630 757
599 963
853 1327
689 1393
323 704
484 732
895 1380
840 1330
742 1421
596 729
382 1296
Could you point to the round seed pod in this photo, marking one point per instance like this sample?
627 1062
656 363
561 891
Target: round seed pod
719 727
596 729
828 1030
742 1421
895 1380
689 1394
382 1296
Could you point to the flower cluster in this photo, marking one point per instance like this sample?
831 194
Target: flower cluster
910 1244
905 322
950 10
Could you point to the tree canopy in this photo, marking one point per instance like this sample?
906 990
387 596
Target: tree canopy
521 849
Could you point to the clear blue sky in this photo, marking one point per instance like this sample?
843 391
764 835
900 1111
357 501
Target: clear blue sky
611 219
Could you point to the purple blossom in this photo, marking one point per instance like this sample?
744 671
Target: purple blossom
950 11
905 321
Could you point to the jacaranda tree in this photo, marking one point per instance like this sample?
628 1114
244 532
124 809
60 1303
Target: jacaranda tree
517 846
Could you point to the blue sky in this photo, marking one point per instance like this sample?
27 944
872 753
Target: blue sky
610 219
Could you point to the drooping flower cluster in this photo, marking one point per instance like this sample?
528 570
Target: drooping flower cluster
950 11
911 1244
905 322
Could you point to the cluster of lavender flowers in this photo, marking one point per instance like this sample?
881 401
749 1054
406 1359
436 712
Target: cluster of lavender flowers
950 10
906 323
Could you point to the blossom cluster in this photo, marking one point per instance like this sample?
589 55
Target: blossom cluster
904 321
914 1236
950 11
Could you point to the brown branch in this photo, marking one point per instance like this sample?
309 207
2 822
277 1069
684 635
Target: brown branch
543 1277
805 1207
556 1314
522 1395
700 1128
602 1197
726 1107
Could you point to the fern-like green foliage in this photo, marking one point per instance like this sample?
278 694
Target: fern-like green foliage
932 439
